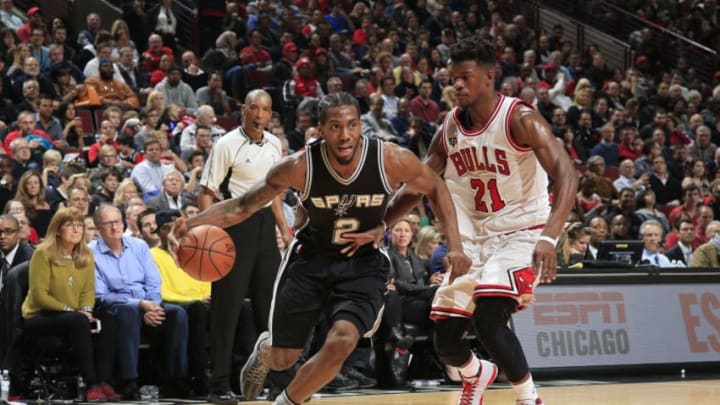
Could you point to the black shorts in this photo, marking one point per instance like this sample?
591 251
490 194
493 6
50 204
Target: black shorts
339 289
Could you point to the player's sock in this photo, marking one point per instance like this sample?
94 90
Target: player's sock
525 390
284 399
471 368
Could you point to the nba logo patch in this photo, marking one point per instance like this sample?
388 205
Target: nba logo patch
452 139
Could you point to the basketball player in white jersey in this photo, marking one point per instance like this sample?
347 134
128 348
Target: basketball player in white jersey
495 153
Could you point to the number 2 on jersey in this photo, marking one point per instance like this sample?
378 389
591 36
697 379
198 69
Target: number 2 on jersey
481 187
344 225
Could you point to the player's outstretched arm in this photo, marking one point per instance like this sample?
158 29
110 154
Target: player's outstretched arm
530 128
402 166
289 172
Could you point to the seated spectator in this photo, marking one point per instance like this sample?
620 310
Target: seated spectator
61 298
196 164
57 195
708 254
112 92
696 174
702 149
627 180
667 189
106 137
193 75
52 160
599 228
107 159
8 16
214 95
651 233
79 199
171 196
422 106
607 148
124 192
149 173
573 147
572 248
681 254
426 241
204 116
72 125
646 209
134 76
147 223
587 201
37 140
619 228
203 143
30 71
691 201
92 67
46 122
374 123
132 213
13 248
109 178
603 185
177 92
127 286
626 206
157 75
704 218
167 153
156 50
303 84
193 295
31 193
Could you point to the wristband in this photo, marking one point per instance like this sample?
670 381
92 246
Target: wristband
552 241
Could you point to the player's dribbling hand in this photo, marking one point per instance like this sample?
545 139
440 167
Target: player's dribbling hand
545 261
458 264
177 233
357 240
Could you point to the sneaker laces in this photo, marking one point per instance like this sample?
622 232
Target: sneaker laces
468 390
257 372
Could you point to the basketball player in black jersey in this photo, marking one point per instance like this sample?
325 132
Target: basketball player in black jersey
331 270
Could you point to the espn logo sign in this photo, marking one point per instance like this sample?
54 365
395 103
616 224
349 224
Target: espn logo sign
580 308
701 314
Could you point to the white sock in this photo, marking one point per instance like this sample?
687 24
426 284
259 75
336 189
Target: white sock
283 399
471 368
525 390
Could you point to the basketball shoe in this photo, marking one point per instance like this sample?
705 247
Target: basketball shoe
473 387
252 376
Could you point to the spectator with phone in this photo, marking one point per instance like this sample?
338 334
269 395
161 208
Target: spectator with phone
61 298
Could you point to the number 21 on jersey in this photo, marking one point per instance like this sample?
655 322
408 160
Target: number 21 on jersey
481 189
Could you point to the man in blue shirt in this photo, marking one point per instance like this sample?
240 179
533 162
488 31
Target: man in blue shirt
651 232
127 285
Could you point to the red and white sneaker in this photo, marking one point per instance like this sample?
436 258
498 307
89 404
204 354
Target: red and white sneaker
473 388
537 401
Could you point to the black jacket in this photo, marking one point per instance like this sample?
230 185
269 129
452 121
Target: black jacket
409 281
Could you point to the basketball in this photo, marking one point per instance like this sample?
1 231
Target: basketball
206 253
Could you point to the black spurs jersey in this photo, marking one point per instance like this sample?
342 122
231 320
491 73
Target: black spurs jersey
336 205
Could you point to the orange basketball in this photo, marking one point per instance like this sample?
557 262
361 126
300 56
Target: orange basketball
206 253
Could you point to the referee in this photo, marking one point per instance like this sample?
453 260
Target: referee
238 160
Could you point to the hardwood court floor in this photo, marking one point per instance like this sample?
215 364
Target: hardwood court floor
681 392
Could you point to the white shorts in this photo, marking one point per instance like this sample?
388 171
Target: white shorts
502 267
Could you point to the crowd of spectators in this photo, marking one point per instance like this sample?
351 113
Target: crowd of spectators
106 115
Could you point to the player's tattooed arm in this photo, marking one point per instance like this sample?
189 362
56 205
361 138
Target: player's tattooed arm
289 172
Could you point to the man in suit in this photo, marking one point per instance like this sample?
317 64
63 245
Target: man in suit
14 251
170 197
682 252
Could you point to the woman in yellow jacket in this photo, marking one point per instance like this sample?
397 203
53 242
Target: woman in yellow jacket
61 298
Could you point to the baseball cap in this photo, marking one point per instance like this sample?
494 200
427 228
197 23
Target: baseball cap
33 10
165 216
550 66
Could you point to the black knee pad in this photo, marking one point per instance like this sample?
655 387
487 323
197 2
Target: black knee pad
449 345
491 321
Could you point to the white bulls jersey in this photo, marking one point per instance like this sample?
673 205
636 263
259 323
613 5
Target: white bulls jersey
497 186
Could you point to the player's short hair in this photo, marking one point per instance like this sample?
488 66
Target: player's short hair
474 49
336 100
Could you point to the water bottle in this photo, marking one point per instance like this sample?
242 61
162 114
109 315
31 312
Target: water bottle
5 386
80 389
